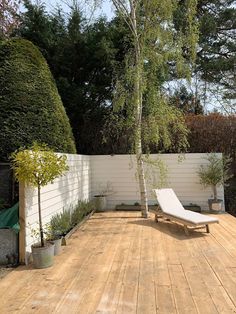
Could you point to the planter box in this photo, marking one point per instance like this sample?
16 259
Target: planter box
133 207
194 208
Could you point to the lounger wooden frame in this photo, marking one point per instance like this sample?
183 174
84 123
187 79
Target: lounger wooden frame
186 224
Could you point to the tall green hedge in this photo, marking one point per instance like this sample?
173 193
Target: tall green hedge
30 106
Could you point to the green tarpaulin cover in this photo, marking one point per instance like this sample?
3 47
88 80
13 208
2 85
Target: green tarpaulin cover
9 218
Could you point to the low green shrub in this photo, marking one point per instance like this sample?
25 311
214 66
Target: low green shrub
62 223
82 209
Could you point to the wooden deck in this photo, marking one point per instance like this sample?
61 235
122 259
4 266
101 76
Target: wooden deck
120 263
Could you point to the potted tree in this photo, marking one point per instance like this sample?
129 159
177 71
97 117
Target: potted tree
214 174
37 167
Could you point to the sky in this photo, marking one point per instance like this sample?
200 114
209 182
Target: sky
106 7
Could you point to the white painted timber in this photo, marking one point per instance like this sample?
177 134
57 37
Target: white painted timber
63 194
119 171
90 175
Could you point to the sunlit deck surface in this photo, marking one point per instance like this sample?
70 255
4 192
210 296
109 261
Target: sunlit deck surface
120 263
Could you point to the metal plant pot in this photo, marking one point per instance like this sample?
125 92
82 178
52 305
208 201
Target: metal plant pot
100 202
43 256
57 246
215 205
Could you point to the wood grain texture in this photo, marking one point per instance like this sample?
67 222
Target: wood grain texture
118 262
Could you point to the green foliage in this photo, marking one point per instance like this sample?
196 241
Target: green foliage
216 172
81 210
216 58
31 109
156 173
82 57
155 45
38 165
217 133
60 224
186 101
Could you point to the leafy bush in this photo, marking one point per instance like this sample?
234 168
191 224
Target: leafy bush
31 108
61 223
212 133
82 209
215 173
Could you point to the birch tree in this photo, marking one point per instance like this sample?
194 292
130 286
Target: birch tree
157 49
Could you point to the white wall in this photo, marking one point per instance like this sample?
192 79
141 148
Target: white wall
87 175
120 171
65 191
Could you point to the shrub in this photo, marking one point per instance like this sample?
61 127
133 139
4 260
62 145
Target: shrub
31 108
61 223
82 209
212 133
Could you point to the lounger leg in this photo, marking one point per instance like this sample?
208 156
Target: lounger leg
186 230
156 217
207 229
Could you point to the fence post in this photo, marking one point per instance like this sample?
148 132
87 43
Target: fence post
22 233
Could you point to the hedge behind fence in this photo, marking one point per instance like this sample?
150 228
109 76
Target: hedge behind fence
31 108
212 133
216 133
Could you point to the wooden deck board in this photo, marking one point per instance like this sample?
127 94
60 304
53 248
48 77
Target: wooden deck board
120 263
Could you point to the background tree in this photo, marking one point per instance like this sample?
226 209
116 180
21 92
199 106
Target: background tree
83 58
9 17
216 58
186 101
31 108
154 44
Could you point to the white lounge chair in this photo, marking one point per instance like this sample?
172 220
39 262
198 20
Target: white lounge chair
172 209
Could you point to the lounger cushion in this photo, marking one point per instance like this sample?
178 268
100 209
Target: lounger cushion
171 205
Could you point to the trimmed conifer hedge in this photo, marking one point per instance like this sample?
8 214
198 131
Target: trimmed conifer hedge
30 106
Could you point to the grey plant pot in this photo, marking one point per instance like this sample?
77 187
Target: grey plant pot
215 205
43 256
100 202
57 246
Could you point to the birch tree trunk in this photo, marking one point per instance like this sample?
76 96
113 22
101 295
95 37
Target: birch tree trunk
138 99
214 188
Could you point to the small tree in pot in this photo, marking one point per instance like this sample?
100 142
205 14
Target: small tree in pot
37 167
214 174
